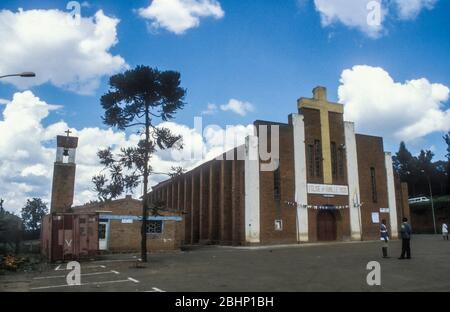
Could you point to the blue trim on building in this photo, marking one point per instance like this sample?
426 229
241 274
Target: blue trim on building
139 218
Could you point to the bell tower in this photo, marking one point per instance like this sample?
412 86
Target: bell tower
64 174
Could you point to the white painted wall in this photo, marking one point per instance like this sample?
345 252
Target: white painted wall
252 206
354 198
391 195
301 195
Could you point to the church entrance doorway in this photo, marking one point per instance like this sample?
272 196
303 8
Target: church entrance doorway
326 226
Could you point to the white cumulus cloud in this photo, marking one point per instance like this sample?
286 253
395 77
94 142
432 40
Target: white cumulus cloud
398 110
369 16
351 13
409 9
238 107
241 108
210 109
178 16
60 51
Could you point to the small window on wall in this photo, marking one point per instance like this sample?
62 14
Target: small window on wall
276 185
154 227
278 225
374 184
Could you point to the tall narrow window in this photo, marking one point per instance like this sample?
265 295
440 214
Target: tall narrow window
317 158
374 185
334 160
341 157
311 160
276 185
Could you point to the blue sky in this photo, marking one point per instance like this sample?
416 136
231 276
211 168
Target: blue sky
267 53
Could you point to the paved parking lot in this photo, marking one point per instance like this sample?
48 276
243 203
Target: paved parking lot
317 267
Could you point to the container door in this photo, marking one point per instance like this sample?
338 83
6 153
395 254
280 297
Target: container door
103 233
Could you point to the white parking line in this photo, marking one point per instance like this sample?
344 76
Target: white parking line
58 268
116 260
82 284
85 274
133 280
154 289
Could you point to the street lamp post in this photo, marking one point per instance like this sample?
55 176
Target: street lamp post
24 74
431 198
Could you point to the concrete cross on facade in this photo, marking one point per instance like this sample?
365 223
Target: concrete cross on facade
320 102
68 132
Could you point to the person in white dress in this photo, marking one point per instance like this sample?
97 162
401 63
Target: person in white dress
445 231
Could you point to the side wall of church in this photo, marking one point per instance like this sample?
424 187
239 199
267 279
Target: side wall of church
211 198
272 206
373 197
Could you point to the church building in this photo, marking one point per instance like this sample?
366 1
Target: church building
326 183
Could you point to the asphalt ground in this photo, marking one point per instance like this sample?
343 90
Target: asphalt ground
291 268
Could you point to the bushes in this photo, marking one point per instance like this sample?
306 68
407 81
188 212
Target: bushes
24 263
440 203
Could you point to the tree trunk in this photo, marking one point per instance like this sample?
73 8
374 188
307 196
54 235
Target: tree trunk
144 197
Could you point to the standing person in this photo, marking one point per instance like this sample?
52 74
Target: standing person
445 231
384 236
406 239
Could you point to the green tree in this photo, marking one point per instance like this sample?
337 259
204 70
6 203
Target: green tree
2 210
176 171
10 230
447 141
139 98
424 161
403 162
32 214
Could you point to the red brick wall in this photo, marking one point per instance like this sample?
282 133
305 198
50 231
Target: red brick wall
337 135
195 206
371 154
187 208
312 133
63 187
214 201
204 204
270 210
225 202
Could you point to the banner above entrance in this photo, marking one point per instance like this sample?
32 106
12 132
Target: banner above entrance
327 189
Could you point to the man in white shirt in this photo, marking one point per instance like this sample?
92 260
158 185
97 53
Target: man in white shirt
445 231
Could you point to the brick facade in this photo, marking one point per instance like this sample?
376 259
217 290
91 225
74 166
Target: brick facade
63 187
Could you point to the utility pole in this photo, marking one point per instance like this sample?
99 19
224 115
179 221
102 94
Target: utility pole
431 198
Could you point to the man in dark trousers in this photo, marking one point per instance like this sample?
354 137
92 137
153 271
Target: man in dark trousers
405 232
